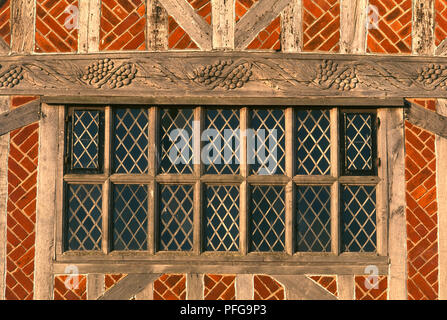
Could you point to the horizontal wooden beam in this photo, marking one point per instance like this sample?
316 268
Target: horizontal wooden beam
426 119
224 75
129 286
20 117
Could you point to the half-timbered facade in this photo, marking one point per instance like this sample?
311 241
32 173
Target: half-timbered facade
223 149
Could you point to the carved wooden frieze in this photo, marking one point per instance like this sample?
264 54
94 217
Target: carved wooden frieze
235 74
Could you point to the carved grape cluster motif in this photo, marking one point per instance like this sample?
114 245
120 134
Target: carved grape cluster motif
331 75
104 71
225 74
11 77
429 75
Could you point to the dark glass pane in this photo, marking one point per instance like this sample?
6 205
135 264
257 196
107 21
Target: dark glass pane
130 141
314 219
359 219
222 218
83 220
358 143
266 148
267 218
130 217
314 136
223 145
85 139
176 144
176 217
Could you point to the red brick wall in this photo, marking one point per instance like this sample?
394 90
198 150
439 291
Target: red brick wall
329 283
170 287
421 213
219 287
440 21
393 32
72 291
122 25
375 291
267 288
5 25
21 208
55 31
321 25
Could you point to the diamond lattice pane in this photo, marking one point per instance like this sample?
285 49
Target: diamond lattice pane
130 141
129 217
267 218
176 144
222 218
83 220
223 141
176 217
314 147
85 139
359 219
314 219
358 142
266 147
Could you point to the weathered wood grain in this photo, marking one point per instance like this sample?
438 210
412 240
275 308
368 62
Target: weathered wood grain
156 26
20 117
423 27
256 19
190 21
4 48
4 152
223 23
22 26
292 27
194 284
89 24
244 287
95 285
128 287
353 26
345 284
397 233
242 75
301 287
426 119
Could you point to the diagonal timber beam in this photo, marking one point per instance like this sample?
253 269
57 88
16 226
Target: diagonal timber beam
190 21
426 119
130 286
300 287
257 19
20 117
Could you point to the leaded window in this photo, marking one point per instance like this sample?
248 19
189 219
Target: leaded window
221 180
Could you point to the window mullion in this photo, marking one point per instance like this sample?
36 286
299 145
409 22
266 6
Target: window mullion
243 198
289 190
152 187
198 169
335 188
106 187
382 191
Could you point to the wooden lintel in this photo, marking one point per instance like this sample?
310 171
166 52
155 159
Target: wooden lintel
20 117
426 119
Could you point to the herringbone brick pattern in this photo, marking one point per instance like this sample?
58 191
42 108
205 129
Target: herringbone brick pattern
267 288
321 25
178 38
66 288
111 279
421 211
21 208
122 25
372 291
440 21
219 287
5 24
327 282
392 33
170 287
267 39
55 30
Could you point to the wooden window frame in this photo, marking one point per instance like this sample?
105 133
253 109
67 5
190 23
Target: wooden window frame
285 262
